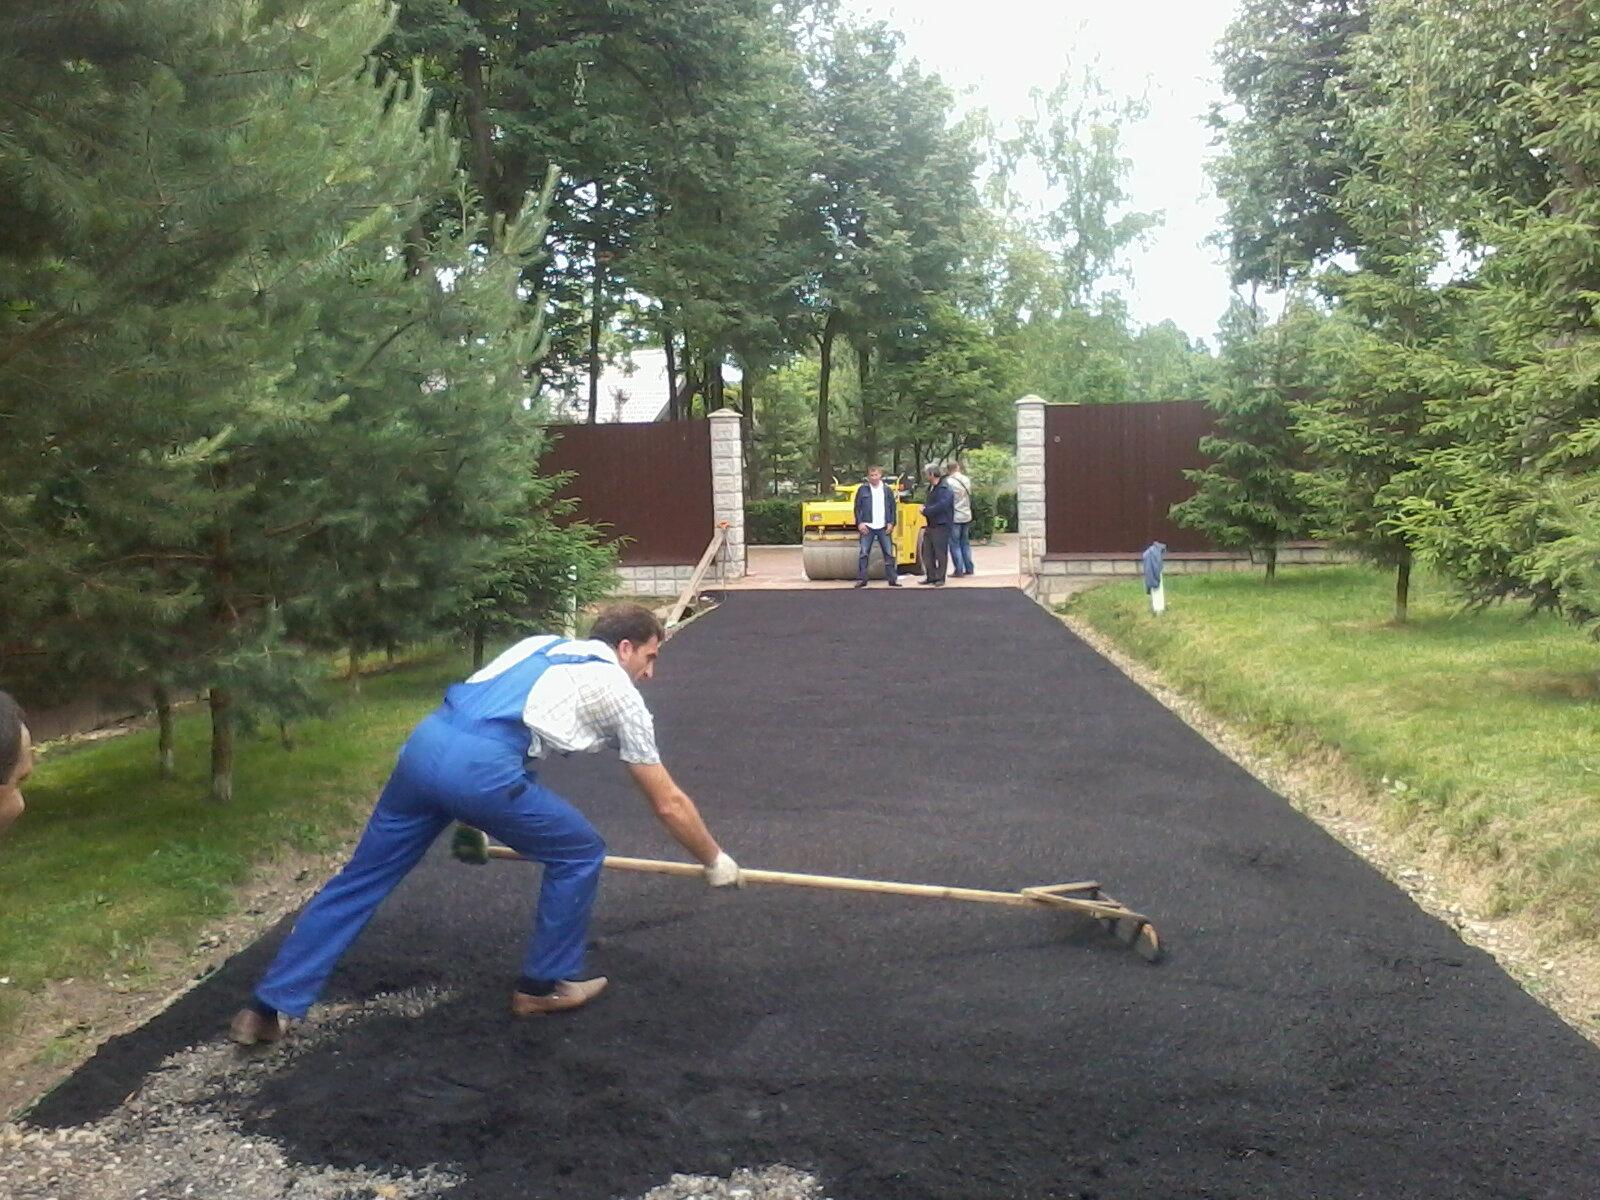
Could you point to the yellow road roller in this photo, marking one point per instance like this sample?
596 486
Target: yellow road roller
831 547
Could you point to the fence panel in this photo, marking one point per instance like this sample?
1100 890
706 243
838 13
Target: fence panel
650 484
1113 470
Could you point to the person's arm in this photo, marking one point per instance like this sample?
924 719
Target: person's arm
678 813
636 744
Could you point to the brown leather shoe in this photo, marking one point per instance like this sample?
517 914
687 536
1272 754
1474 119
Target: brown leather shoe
250 1028
569 993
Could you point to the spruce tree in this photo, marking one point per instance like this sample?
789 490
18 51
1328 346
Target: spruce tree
1390 339
1512 506
1251 495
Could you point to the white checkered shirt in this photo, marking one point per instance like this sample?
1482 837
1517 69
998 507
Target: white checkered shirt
582 708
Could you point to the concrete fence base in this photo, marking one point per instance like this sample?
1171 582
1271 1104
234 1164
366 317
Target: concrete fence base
1060 575
654 581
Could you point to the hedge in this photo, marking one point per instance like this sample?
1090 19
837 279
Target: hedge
772 523
982 517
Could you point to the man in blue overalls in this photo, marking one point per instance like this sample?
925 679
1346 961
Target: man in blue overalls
469 761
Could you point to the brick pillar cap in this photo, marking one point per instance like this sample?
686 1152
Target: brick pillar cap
1030 400
727 414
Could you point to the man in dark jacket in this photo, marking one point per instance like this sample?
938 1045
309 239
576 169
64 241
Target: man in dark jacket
940 510
875 516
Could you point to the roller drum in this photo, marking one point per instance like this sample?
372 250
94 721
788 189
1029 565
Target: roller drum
836 558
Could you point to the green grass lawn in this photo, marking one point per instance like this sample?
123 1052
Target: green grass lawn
1484 725
110 861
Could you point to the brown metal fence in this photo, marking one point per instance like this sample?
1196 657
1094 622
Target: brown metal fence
650 484
1112 471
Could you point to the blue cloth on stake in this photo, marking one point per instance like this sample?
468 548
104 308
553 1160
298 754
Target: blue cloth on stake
1152 558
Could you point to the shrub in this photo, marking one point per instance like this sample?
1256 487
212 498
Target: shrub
1006 510
772 523
983 514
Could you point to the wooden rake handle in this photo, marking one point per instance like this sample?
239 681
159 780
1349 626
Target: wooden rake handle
1103 908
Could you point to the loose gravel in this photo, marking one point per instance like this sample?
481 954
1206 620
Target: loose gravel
181 1136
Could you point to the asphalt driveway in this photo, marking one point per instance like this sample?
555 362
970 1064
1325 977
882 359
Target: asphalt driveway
1311 1034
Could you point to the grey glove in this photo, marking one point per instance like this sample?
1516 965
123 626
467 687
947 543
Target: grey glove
724 872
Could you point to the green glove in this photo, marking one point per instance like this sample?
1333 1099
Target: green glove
470 845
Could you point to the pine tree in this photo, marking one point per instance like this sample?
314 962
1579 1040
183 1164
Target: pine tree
257 412
150 147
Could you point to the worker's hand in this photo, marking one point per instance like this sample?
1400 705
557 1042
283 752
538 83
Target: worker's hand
724 872
470 845
862 529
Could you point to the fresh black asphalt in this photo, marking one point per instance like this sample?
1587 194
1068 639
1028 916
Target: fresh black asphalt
1312 1034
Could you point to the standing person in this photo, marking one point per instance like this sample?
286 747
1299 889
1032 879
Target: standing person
875 517
939 509
475 759
961 527
16 760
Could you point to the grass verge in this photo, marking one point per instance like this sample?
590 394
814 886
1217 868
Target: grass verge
111 866
1476 728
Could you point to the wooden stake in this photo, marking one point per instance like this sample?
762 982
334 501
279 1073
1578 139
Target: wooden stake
693 586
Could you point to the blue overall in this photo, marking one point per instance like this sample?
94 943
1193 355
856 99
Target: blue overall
467 761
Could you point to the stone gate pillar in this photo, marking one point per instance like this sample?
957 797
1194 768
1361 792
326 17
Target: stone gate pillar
727 487
1030 486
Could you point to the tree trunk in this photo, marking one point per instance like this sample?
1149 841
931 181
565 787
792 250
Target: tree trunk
690 385
672 372
597 299
479 136
221 745
747 427
225 616
824 449
353 669
416 258
1402 588
869 417
713 391
1272 563
165 754
477 646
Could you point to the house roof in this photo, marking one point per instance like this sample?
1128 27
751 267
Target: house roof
632 389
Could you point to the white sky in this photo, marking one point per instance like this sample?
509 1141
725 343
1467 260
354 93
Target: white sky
992 52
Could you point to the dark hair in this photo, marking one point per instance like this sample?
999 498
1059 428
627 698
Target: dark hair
620 623
11 724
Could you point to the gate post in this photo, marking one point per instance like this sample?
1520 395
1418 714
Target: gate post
1030 487
727 488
